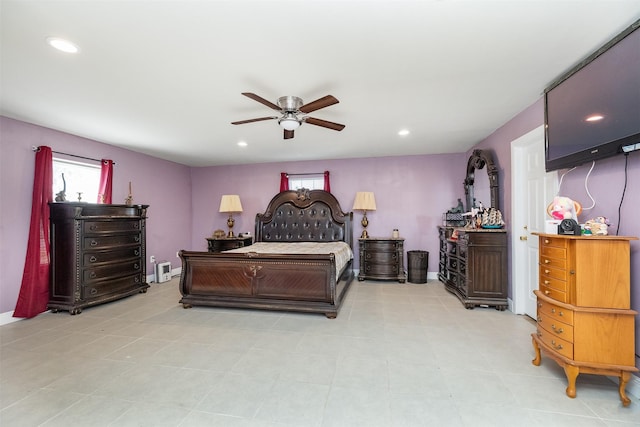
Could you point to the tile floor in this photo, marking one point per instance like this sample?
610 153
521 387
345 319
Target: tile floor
397 355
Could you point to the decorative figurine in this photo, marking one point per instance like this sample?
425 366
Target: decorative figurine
129 199
62 195
597 227
79 196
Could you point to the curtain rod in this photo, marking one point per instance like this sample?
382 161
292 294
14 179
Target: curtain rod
71 155
309 173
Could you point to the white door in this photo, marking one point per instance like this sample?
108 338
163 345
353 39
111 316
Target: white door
532 190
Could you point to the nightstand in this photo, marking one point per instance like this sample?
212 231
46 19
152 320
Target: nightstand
225 243
382 259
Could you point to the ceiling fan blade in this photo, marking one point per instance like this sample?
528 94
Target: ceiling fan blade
241 122
288 134
324 123
261 100
325 101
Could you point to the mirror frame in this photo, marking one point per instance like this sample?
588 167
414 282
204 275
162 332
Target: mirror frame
478 160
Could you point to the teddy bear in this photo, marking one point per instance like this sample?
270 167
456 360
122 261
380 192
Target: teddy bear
562 208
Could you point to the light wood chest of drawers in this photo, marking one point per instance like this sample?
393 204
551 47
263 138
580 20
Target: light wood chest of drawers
584 318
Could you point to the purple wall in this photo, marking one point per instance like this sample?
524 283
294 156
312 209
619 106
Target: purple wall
165 186
605 184
411 194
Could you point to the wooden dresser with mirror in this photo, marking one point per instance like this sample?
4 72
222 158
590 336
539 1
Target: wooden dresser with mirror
473 261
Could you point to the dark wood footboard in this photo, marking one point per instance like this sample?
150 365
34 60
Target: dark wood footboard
305 283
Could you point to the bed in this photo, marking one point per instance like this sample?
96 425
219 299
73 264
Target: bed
283 269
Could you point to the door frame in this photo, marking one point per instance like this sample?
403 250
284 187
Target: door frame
519 255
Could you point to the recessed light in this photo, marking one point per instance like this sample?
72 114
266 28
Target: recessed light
242 144
62 45
594 118
403 132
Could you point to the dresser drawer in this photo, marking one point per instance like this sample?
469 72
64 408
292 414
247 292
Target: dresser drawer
381 246
555 311
111 287
560 285
107 271
551 272
555 326
102 242
375 269
462 251
555 294
91 227
561 346
381 257
92 258
556 242
553 262
553 252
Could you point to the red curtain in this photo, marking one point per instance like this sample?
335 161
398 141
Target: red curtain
327 185
284 181
34 290
106 182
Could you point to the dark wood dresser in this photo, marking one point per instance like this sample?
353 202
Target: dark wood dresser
474 266
225 243
382 259
97 254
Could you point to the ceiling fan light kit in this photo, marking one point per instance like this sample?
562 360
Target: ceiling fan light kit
293 112
289 121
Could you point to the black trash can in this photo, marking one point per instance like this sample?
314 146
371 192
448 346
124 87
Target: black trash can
417 262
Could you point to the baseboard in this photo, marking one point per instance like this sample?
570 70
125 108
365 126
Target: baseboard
6 318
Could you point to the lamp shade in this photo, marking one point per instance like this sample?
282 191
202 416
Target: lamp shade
289 122
365 201
230 203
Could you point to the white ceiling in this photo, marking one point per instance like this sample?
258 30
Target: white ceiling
165 77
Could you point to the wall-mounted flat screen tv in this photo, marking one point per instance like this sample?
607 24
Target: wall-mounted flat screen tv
593 111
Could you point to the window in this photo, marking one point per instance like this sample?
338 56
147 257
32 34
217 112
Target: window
79 177
314 182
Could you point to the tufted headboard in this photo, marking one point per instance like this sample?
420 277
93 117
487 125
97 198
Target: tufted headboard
304 216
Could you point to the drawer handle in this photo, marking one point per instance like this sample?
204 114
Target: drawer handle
547 271
92 275
547 292
137 238
557 331
546 282
136 266
546 261
135 225
94 291
93 243
561 314
556 346
93 227
539 319
553 310
547 241
93 259
137 279
539 334
539 305
136 252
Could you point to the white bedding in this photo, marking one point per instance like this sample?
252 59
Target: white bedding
341 250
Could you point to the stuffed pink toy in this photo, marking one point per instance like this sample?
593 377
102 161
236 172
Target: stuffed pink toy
563 208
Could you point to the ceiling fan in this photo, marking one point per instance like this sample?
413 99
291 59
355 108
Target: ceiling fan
293 112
